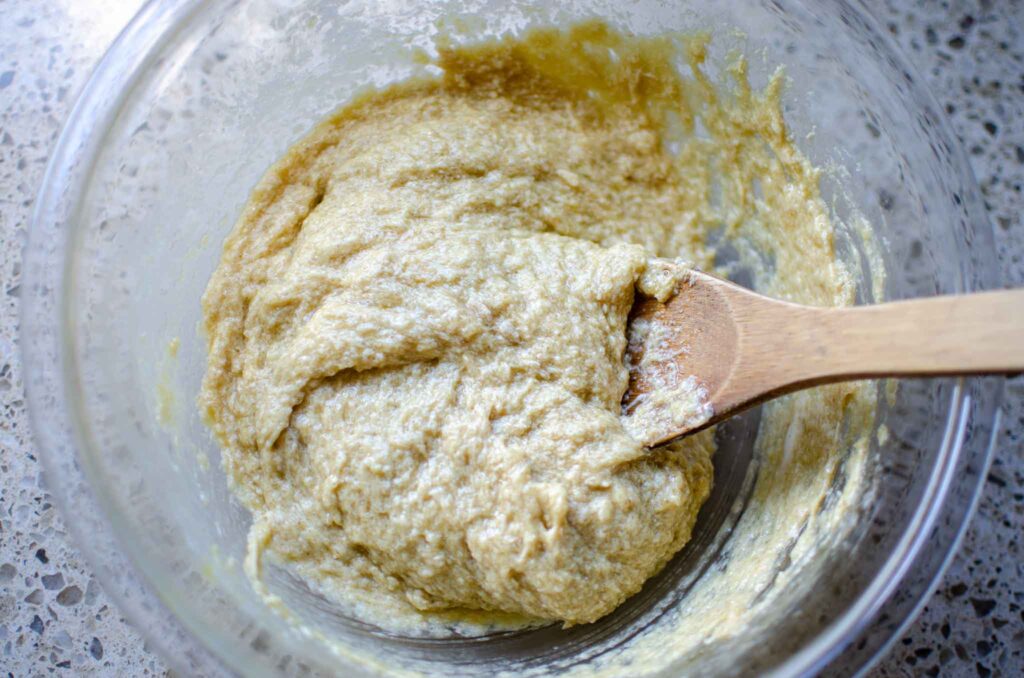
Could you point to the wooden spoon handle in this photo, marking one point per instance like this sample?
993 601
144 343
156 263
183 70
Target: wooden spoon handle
965 334
744 348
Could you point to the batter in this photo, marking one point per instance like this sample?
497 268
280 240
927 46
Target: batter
417 327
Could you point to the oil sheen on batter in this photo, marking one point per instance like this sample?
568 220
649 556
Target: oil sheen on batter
416 330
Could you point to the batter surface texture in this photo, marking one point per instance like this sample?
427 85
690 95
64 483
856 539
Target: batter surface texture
416 346
417 327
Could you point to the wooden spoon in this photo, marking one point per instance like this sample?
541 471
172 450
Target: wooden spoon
742 348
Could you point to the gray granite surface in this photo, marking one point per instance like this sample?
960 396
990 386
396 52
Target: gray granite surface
55 618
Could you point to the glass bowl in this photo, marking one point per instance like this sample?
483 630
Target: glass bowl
196 99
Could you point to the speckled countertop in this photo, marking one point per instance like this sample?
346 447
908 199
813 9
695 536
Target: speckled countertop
54 617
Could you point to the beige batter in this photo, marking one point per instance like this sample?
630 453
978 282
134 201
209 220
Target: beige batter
417 328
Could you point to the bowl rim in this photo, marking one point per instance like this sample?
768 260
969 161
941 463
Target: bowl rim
50 379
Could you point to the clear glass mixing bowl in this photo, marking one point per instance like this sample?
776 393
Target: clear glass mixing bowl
186 111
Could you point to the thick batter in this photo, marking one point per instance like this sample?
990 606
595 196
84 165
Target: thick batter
416 331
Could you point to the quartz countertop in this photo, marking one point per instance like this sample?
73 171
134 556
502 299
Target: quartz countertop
55 617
